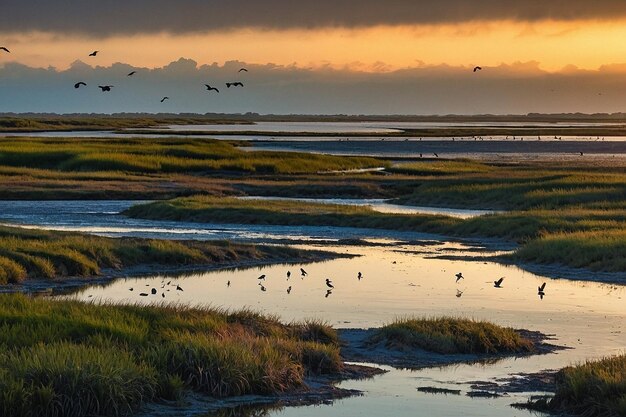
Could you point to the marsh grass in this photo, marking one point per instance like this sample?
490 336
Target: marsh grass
37 254
575 236
66 358
591 389
164 156
451 336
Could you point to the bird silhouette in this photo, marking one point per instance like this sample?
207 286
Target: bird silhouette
243 70
459 276
179 288
78 84
540 290
5 49
143 294
541 287
459 293
262 277
234 84
131 289
228 284
153 291
359 276
329 283
303 272
209 88
477 69
163 295
436 156
498 283
105 88
94 53
164 98
263 288
130 74
288 274
581 154
328 293
289 290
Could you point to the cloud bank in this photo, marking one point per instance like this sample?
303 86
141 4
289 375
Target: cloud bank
112 17
506 89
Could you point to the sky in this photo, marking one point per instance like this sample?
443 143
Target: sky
340 56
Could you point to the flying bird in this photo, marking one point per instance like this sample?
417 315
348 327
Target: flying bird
94 53
130 74
164 98
329 283
78 84
303 272
459 276
234 84
105 87
209 88
498 283
5 49
243 70
262 277
477 69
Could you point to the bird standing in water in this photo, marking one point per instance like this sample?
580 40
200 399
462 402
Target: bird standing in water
329 283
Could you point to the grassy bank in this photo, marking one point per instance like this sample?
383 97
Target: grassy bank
451 336
72 359
36 254
164 156
592 389
575 237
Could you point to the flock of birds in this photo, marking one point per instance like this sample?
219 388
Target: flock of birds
498 284
166 286
107 88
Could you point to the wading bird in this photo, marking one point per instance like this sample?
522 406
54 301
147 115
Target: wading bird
94 53
459 276
130 74
328 292
540 290
78 84
288 274
359 276
477 69
329 283
164 98
105 87
234 84
228 284
498 283
5 49
209 88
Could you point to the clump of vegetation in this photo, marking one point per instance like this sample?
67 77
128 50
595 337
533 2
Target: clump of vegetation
73 359
30 254
592 389
448 335
164 156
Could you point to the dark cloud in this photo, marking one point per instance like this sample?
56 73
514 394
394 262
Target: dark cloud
516 88
99 17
